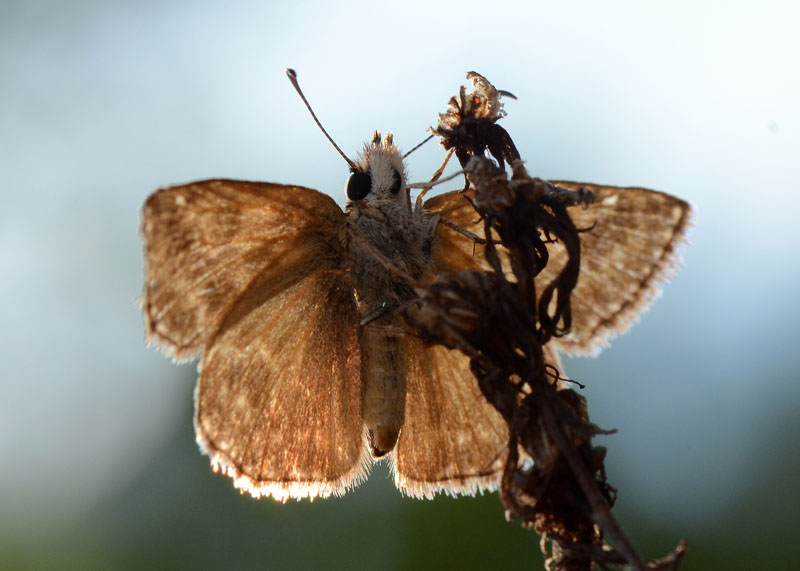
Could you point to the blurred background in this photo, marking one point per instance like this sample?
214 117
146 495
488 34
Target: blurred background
103 102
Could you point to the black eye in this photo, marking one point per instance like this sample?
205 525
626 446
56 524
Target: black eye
398 181
358 185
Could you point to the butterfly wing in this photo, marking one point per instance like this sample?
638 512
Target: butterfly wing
452 440
278 404
630 247
252 275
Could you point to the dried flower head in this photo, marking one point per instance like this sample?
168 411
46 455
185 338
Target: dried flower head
470 123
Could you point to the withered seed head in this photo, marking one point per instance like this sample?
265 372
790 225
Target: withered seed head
470 124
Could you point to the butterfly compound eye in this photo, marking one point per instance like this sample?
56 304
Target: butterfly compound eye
398 181
358 185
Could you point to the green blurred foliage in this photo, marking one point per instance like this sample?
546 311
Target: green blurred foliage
179 515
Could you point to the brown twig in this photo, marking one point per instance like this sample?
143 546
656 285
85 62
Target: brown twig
503 326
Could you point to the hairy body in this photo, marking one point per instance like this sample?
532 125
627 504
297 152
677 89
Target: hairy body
388 242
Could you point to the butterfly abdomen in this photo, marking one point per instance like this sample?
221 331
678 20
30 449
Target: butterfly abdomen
387 252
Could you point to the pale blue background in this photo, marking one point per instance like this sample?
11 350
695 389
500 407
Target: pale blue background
103 102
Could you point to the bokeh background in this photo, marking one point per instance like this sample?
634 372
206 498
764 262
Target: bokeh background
103 102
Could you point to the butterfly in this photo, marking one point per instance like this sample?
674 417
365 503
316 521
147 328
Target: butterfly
306 376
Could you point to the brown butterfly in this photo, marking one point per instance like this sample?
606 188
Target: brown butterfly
306 376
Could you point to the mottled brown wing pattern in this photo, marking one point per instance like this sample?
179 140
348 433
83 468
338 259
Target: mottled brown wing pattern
252 274
453 440
630 248
279 400
205 242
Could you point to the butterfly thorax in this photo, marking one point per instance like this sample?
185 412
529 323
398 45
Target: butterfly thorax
388 241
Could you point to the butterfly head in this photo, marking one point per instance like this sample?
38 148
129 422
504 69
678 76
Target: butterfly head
379 174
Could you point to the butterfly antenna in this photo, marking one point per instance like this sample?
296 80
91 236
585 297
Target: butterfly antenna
418 145
293 78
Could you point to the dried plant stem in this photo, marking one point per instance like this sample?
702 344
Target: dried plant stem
601 510
554 480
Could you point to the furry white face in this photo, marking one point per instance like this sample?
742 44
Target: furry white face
380 173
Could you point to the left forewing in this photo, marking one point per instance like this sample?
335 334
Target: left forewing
206 242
